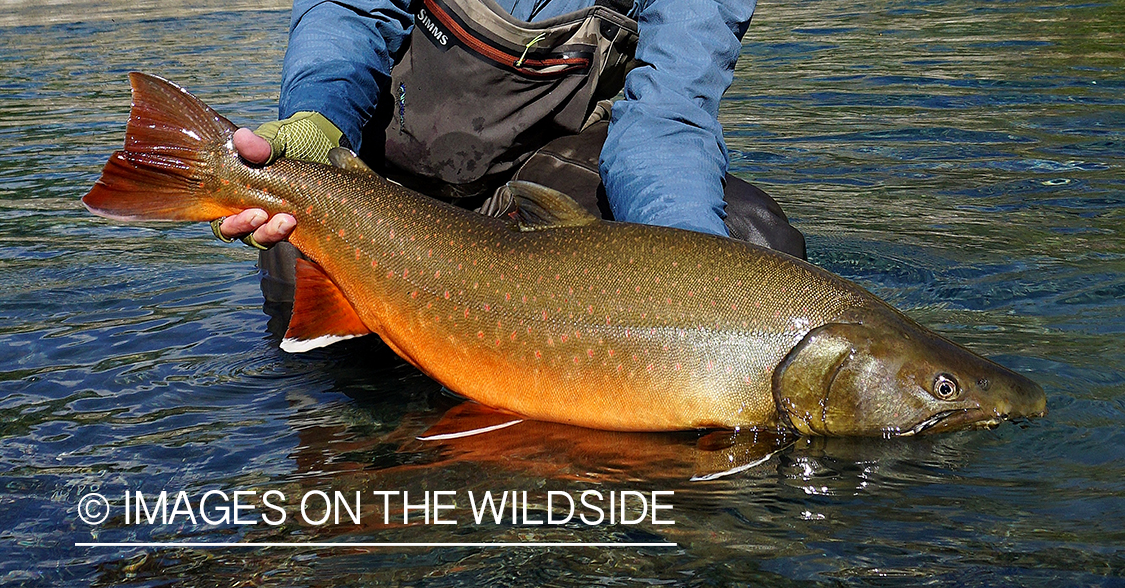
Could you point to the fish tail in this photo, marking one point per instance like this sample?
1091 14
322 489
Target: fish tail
167 170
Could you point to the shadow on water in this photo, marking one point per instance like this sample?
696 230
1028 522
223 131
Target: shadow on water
959 159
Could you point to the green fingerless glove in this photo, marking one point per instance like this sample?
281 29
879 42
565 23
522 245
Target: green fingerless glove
307 136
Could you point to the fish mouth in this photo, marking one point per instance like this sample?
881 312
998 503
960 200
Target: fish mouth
966 419
957 419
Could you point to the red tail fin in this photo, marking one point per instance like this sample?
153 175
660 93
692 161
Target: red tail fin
171 142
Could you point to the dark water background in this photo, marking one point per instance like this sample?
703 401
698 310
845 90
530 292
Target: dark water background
961 159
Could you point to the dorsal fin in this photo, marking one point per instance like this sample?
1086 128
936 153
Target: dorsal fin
347 159
539 208
321 314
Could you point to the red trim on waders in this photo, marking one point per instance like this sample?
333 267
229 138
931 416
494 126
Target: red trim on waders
499 56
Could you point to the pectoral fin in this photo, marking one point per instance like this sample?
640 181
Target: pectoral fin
468 419
724 453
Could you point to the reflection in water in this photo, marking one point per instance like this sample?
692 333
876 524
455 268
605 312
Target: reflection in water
472 433
961 160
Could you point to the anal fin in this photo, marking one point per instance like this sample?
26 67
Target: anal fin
321 314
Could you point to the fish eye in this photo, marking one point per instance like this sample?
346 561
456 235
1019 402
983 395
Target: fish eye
945 387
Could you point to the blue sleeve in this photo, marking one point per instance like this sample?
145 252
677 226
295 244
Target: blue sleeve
339 59
664 160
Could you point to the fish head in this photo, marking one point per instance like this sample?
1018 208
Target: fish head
884 375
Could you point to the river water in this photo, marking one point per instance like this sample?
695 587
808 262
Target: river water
963 160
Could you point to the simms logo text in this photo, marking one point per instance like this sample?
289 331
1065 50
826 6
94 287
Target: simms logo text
423 18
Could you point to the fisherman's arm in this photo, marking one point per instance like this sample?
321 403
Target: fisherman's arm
337 64
664 160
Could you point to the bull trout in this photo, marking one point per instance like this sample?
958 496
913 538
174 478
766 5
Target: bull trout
555 315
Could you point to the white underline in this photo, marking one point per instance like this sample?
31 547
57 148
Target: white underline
380 544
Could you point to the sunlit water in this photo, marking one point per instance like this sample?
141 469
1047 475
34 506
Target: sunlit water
963 160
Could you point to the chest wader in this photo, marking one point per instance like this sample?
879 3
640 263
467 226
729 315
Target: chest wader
477 91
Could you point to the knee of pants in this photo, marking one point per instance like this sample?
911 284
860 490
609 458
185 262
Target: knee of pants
753 216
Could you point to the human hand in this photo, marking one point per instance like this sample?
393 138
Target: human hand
307 136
